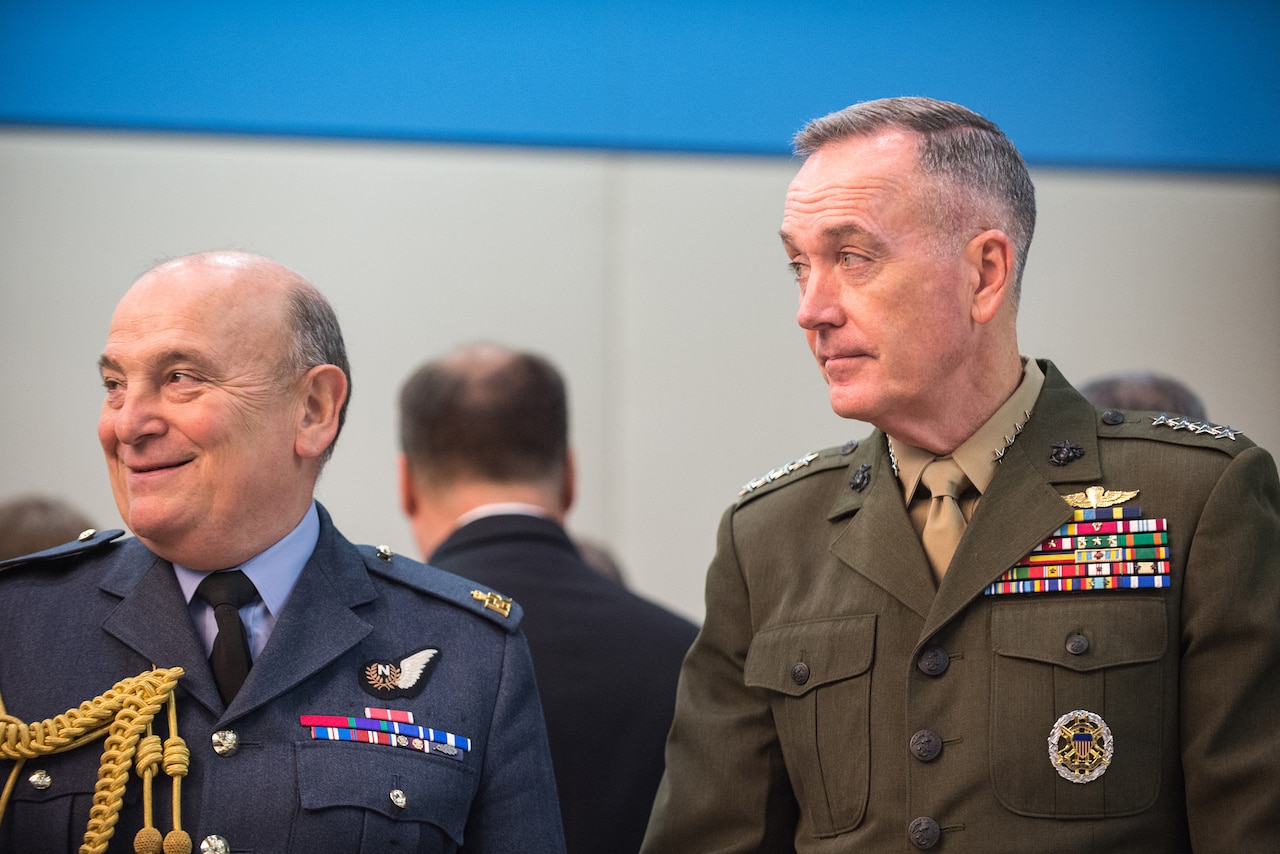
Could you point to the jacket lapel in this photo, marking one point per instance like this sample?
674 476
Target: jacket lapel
152 619
1023 505
878 542
316 626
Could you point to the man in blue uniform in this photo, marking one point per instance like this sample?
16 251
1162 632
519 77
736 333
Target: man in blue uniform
334 697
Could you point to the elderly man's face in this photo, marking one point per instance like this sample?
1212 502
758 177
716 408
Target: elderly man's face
883 303
198 424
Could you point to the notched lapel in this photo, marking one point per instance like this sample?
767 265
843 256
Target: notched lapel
316 626
878 542
1023 505
152 619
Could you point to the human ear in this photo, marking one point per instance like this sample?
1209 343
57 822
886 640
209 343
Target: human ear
323 391
991 257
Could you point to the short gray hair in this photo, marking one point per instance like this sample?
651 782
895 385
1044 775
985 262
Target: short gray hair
315 339
973 162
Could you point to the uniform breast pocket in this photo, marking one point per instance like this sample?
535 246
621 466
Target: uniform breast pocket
1101 655
51 799
377 798
818 674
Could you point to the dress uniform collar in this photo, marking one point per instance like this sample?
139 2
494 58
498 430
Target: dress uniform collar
979 455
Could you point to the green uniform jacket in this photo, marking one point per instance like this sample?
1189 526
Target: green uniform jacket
834 702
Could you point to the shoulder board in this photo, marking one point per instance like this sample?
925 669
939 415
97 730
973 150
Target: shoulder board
1174 429
90 541
797 469
459 591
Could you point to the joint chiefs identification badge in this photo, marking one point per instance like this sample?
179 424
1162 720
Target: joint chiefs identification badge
1080 746
388 680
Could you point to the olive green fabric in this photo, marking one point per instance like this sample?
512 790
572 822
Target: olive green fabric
799 700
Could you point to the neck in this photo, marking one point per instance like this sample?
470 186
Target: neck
437 512
957 412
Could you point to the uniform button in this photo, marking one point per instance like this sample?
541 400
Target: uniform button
1112 417
800 673
933 661
226 742
40 779
87 534
214 844
385 552
848 447
1077 644
924 832
926 745
399 798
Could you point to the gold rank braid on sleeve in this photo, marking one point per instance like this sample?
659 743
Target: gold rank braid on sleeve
124 715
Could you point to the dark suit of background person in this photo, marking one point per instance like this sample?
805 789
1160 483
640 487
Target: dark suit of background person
486 480
213 427
846 693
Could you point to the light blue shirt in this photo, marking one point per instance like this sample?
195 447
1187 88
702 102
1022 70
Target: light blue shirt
274 572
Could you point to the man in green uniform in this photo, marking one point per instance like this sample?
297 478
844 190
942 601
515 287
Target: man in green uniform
1006 620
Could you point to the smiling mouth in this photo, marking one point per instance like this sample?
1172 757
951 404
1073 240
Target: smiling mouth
156 468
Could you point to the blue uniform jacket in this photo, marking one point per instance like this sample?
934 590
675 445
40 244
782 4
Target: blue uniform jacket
75 623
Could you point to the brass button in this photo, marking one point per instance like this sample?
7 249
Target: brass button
86 534
924 832
40 779
385 552
933 661
926 745
226 742
1077 644
399 798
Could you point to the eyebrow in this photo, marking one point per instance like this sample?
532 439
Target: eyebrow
839 232
168 357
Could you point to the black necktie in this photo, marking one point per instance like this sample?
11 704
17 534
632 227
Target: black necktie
226 593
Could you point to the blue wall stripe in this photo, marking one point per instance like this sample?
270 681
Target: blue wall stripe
1164 84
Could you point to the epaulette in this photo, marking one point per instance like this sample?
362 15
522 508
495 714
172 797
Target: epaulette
89 541
1174 429
796 470
434 581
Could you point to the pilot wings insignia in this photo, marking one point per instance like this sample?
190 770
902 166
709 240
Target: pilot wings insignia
1095 497
388 680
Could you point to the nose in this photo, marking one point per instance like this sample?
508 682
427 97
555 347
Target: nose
819 301
130 417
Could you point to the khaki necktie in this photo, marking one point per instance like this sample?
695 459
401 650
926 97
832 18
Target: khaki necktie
227 593
945 523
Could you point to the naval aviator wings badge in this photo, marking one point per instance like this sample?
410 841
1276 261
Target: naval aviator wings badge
406 677
1080 746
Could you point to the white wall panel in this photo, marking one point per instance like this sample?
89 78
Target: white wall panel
655 282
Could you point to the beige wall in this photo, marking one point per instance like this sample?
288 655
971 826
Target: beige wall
655 282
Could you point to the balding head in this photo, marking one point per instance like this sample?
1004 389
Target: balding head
215 424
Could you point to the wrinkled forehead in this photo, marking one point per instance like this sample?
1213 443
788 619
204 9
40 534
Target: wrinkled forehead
209 303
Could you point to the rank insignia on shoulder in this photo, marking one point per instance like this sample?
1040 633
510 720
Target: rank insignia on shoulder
780 471
1080 746
406 677
1217 431
493 601
1097 496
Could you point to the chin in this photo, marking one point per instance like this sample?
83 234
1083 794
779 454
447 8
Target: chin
848 403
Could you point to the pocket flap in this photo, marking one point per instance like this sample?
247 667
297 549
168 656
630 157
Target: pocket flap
1119 630
798 657
342 774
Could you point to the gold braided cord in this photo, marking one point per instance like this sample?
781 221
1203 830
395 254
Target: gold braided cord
124 714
